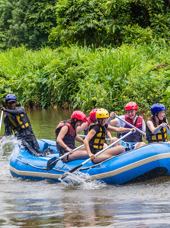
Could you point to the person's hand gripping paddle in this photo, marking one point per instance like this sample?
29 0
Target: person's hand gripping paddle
77 167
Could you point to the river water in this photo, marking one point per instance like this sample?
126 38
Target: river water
45 204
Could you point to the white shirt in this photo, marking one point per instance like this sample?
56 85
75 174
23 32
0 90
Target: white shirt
122 124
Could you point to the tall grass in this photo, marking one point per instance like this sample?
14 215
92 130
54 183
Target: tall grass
86 78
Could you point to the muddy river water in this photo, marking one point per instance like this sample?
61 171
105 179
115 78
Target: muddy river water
45 204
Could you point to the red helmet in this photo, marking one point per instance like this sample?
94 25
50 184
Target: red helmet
93 114
79 115
130 106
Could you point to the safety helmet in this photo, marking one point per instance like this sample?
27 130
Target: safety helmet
102 113
93 114
79 115
130 106
156 108
10 98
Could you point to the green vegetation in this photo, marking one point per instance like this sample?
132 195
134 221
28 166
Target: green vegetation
85 53
110 22
26 22
35 23
86 78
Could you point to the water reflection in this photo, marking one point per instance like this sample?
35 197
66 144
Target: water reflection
44 121
55 206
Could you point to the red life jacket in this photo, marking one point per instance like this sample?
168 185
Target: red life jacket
135 137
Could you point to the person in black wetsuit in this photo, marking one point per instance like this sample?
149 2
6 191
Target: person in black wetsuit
16 121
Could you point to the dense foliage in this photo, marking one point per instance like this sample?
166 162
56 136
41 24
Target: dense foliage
26 22
84 22
86 78
111 22
105 52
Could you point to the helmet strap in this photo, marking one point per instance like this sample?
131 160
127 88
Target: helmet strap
156 114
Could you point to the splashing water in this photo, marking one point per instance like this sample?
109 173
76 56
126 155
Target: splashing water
80 180
7 144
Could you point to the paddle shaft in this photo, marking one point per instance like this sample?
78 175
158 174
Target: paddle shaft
112 144
1 120
159 130
167 130
137 129
66 154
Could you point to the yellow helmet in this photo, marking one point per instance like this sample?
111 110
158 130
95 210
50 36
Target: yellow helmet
102 113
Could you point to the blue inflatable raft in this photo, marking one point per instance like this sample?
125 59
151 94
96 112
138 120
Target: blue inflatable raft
138 165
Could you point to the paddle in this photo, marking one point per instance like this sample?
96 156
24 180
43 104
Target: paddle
167 130
1 120
77 167
159 130
137 129
53 161
83 136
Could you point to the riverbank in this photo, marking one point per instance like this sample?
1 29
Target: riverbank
84 78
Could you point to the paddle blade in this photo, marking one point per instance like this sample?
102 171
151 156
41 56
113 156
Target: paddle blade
51 163
71 171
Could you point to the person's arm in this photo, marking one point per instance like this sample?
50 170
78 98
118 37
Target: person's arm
154 129
119 129
89 136
109 135
82 127
60 137
113 122
144 128
77 138
15 111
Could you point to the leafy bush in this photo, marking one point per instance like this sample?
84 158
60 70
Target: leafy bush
85 78
79 21
110 22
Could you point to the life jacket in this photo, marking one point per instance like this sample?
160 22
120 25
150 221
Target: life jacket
98 139
69 138
18 122
161 136
89 123
136 136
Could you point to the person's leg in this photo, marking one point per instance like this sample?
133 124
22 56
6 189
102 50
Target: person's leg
30 149
139 144
113 140
113 151
33 142
78 154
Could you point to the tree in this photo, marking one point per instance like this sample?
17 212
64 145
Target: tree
27 22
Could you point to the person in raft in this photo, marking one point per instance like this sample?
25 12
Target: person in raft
16 121
134 140
66 135
95 138
155 122
90 120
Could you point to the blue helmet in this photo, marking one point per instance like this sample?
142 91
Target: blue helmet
157 108
10 98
